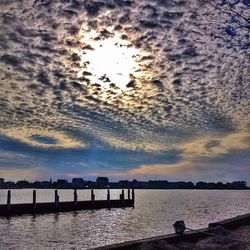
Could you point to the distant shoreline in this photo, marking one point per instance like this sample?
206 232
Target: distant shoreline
71 188
104 183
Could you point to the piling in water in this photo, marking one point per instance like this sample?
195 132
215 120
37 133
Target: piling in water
129 194
34 200
57 206
56 200
108 198
122 197
9 199
75 198
92 197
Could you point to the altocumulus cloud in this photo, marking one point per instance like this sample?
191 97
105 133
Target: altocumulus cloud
42 138
203 157
190 92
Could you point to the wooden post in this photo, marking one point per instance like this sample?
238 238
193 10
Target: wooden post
122 197
56 199
92 197
34 199
75 198
108 198
133 196
128 194
9 199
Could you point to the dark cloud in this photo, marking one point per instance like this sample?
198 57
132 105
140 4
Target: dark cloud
73 30
93 7
212 143
148 24
42 77
177 81
11 60
131 84
77 85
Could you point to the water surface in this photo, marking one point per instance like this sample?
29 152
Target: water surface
154 213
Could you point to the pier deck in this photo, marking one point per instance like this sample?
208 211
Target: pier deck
66 206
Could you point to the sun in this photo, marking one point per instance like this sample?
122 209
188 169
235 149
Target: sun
110 60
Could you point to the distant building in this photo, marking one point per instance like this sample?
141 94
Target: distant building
102 181
124 183
2 183
22 184
10 184
78 183
45 184
90 184
61 183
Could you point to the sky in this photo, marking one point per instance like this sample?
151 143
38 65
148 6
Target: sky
155 89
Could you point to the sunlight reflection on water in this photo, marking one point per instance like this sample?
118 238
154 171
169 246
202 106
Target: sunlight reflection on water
154 213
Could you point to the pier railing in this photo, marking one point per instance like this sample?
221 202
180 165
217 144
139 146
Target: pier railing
9 209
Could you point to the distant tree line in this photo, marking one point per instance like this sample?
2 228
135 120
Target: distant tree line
103 182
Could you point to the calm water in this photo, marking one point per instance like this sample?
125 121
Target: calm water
154 213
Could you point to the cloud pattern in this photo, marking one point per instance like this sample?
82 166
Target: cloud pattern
194 75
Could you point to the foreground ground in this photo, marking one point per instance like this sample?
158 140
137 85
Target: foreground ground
210 243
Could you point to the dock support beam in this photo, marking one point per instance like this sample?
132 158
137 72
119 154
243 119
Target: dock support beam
34 200
56 199
92 197
122 197
9 200
108 198
75 198
128 194
133 196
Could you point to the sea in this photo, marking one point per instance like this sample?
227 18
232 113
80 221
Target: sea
154 214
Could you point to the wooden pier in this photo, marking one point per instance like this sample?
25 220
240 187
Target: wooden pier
9 209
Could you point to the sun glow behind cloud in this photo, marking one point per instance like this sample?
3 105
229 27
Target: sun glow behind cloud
109 61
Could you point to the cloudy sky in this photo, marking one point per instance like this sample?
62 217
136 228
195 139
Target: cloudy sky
145 89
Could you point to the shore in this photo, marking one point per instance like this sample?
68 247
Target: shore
234 228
